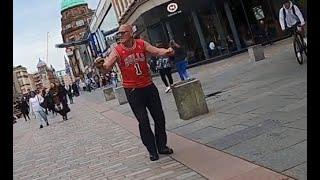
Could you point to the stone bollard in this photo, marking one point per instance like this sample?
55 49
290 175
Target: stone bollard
256 52
108 93
121 95
189 98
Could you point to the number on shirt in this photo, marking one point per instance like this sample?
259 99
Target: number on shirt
138 70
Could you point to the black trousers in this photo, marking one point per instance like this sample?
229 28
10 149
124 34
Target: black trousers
166 72
25 115
141 99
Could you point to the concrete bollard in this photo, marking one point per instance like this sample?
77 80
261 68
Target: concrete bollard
256 53
121 95
108 93
190 99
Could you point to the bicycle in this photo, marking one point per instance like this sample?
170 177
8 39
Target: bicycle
299 45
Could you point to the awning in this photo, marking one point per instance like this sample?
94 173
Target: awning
73 43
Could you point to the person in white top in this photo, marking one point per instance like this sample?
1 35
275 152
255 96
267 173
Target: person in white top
34 103
290 15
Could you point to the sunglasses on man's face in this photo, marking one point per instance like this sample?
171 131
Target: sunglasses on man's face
121 33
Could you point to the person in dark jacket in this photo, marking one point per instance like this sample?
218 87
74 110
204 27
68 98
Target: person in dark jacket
24 108
62 94
75 89
43 94
60 100
180 60
69 92
50 103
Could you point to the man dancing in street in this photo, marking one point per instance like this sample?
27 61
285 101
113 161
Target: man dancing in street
130 54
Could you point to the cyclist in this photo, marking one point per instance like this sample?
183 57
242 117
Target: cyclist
290 15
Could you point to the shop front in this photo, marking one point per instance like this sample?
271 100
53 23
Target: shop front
211 29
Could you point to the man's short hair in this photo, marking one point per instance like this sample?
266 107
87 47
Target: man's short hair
285 1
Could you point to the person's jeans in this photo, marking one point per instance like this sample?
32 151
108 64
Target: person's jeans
114 82
182 69
41 116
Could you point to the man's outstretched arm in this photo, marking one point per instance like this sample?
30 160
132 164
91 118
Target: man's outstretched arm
158 51
106 64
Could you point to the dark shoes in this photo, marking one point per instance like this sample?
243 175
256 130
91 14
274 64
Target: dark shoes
47 123
165 150
41 126
153 156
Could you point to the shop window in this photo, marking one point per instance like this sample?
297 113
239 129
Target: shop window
213 33
157 34
185 34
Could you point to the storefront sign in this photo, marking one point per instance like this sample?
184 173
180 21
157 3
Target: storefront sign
172 7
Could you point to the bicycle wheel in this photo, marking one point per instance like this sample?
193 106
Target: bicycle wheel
298 50
303 44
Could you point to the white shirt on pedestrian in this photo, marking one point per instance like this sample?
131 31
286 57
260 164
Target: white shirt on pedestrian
291 19
34 103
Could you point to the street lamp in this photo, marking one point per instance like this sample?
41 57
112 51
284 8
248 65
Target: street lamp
47 47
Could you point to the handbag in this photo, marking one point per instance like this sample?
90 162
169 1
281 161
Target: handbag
43 105
57 107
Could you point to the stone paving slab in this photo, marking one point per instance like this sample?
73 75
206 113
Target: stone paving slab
279 77
209 162
87 146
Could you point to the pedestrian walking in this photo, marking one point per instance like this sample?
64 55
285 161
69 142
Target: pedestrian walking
114 78
24 108
142 94
180 60
45 103
75 89
60 100
164 68
35 107
88 84
50 102
69 92
62 94
97 80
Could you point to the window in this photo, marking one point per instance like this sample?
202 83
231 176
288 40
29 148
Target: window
71 38
83 10
80 23
68 26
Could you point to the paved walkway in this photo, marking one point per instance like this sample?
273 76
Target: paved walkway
100 139
99 143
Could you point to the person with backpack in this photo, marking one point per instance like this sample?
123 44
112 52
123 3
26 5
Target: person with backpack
164 68
290 15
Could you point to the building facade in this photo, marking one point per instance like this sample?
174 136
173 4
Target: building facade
45 74
37 80
103 27
21 80
16 87
63 77
74 24
230 26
